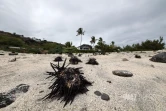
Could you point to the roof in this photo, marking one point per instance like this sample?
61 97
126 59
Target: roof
85 45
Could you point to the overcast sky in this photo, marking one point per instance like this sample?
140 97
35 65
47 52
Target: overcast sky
122 21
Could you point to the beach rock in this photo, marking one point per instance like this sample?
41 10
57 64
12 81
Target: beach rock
98 93
2 54
161 57
105 97
122 73
109 81
124 59
22 88
9 97
137 56
6 99
41 91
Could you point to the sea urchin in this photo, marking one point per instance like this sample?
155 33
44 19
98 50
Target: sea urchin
92 61
68 83
59 58
74 60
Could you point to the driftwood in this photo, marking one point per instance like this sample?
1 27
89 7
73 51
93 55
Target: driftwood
13 53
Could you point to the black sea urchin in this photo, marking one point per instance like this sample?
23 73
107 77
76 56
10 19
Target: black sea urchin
68 83
59 58
74 60
92 61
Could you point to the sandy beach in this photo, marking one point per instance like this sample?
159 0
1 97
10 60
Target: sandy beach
144 91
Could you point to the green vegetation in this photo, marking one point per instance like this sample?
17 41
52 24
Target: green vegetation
19 43
27 44
146 46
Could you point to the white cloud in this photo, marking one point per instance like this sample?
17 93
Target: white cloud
122 21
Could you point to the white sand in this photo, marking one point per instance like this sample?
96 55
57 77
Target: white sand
145 91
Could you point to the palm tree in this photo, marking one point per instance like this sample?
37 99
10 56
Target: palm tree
93 40
100 39
80 32
112 43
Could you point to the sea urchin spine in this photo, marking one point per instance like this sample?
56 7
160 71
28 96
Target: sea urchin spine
68 83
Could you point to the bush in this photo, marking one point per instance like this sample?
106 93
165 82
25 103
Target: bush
11 41
147 45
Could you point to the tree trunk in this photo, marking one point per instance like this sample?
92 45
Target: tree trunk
93 46
81 40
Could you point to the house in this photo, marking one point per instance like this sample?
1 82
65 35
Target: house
85 47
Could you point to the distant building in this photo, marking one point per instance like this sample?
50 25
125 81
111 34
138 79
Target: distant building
85 47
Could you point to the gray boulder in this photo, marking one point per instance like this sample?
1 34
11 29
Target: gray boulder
8 98
161 57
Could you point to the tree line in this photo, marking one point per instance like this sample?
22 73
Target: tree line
33 45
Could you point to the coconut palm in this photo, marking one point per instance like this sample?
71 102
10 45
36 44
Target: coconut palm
112 43
93 40
81 32
101 39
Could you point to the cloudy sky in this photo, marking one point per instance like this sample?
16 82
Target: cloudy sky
122 21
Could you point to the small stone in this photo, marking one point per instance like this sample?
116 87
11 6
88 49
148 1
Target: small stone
109 81
41 91
123 73
84 109
105 97
124 59
152 65
98 93
137 56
